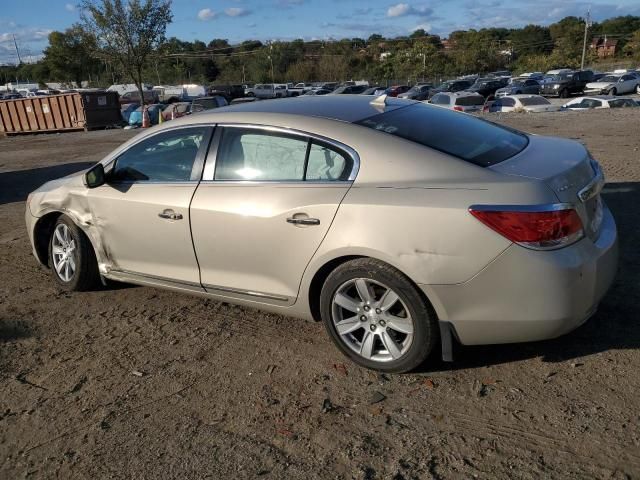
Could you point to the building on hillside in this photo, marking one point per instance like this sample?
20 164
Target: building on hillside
604 47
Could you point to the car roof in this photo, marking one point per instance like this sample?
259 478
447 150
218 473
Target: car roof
346 108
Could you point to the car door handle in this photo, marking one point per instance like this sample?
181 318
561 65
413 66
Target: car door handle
303 221
170 215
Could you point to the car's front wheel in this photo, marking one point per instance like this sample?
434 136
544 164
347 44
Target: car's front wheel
613 92
377 317
73 261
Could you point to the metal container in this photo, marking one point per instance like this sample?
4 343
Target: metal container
68 111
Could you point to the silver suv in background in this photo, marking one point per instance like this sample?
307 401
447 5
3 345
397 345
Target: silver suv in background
267 90
459 101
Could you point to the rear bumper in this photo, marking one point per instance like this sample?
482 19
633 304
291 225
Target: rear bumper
527 295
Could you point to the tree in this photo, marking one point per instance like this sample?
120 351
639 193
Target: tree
127 33
69 55
632 48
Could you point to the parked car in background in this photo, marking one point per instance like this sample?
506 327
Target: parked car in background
150 97
614 85
349 89
464 101
599 101
229 92
451 86
522 103
417 92
500 74
480 233
486 87
329 85
176 110
170 94
566 84
518 86
373 90
208 103
10 96
532 75
396 90
237 101
318 91
267 90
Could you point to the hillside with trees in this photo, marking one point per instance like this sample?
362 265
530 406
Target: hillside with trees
75 54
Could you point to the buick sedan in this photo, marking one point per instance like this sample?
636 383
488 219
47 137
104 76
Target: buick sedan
399 225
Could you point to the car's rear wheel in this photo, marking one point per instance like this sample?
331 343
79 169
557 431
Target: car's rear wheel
73 261
377 317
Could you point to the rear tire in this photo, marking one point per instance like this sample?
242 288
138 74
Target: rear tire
393 330
71 257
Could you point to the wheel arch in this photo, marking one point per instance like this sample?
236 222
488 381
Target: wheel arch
43 229
321 274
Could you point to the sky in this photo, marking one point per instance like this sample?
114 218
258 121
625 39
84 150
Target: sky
237 20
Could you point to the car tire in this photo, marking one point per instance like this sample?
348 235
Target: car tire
71 257
393 331
613 92
564 93
638 89
251 94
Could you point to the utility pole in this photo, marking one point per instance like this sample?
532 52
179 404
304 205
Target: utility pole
587 24
17 51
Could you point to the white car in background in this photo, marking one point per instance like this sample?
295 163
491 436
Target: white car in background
459 101
523 103
599 101
614 84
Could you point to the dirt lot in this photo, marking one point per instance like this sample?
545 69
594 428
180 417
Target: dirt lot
140 383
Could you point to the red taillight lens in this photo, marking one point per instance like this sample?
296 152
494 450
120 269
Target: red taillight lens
541 230
458 109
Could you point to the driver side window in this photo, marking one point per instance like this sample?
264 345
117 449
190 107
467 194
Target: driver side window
166 157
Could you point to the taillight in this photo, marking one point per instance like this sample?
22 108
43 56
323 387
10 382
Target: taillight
542 228
458 109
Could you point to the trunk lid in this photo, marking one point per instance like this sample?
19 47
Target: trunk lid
566 167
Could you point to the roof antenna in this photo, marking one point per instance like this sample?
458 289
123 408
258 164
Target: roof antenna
379 101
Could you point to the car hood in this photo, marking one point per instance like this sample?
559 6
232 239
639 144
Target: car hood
600 84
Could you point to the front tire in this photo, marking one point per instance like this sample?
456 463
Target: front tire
72 259
613 92
377 317
564 93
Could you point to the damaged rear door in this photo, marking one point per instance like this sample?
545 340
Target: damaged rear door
142 212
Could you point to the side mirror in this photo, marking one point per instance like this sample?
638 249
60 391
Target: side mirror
95 176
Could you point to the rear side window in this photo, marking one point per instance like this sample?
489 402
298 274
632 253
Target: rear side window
470 101
528 101
440 100
469 138
259 155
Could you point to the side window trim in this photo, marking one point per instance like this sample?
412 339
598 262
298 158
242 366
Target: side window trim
197 169
211 156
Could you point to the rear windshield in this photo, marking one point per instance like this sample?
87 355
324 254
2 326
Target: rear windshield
528 101
464 136
470 101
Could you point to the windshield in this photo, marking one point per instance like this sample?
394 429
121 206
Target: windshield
471 100
527 101
560 77
444 86
609 78
469 138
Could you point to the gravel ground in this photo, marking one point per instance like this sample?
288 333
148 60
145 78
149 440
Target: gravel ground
133 382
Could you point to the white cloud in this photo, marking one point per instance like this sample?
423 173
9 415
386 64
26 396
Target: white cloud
206 14
70 7
236 12
399 10
404 9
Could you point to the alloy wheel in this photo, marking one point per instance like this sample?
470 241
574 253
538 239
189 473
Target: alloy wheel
372 320
63 250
